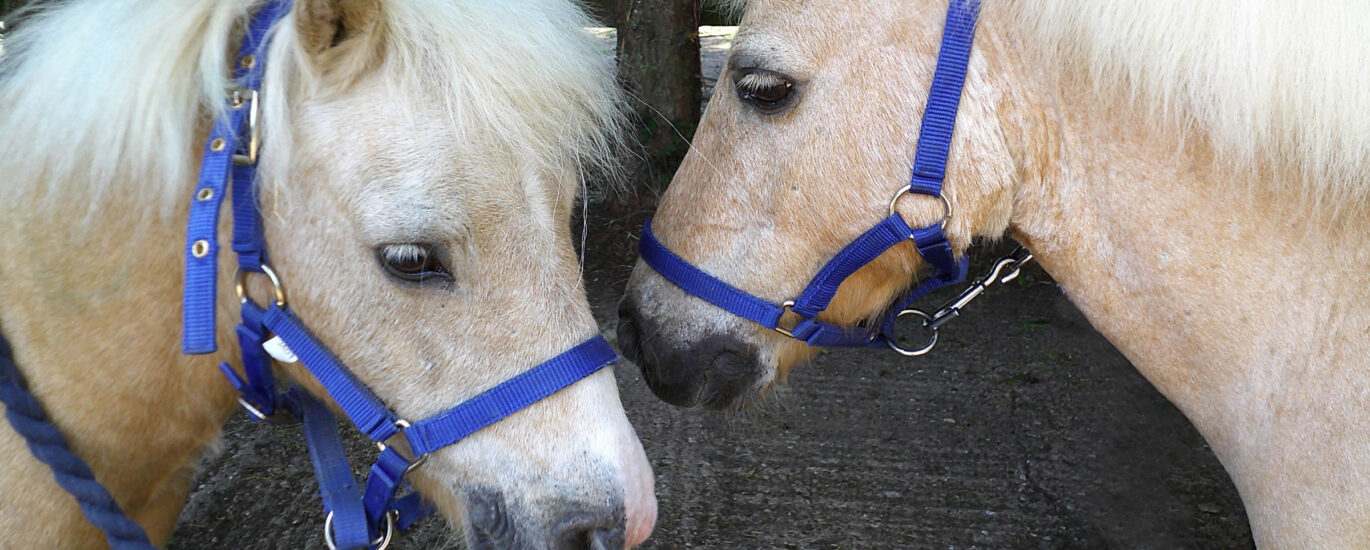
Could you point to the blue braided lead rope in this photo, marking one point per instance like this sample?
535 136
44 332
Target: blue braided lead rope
47 444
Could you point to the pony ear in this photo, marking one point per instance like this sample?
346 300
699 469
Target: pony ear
324 24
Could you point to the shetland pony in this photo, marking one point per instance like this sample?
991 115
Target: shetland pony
1196 176
420 161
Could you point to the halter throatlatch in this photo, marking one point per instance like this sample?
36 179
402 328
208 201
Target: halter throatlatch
929 170
355 518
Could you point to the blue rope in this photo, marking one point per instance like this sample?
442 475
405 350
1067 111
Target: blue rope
48 445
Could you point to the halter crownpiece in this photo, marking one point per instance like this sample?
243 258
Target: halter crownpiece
929 170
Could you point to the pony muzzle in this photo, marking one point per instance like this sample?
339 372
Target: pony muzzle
719 371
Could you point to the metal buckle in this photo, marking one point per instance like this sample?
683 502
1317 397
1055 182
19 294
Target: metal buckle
379 544
786 331
240 285
414 463
280 418
248 96
908 190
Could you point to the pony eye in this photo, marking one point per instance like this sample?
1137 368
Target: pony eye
768 91
415 263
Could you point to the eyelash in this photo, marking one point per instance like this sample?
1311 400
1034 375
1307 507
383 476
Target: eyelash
768 91
412 263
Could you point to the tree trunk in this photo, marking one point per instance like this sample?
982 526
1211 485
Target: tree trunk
658 65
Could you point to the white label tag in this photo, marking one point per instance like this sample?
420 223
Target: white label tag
277 348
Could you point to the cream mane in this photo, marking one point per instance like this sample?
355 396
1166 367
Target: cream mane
108 95
1272 83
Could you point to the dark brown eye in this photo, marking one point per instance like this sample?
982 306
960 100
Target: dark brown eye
415 263
767 91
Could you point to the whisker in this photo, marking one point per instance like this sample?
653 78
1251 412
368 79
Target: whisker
688 142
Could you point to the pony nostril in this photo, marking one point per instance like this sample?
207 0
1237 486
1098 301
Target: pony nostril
629 331
720 372
733 372
605 540
596 539
673 378
590 531
490 520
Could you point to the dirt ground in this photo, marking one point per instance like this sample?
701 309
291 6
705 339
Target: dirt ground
1024 429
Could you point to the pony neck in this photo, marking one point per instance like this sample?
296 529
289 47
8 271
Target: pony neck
1215 285
95 202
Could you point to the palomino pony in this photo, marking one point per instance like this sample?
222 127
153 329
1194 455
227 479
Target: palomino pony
1194 175
419 162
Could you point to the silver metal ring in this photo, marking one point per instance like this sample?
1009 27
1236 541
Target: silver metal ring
946 204
240 285
378 544
919 351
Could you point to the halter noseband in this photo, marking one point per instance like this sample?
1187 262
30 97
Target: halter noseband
929 170
355 519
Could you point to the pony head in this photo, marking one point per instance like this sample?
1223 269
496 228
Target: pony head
811 133
435 150
419 164
808 138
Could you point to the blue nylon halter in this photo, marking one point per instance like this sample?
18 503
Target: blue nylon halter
355 517
929 170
